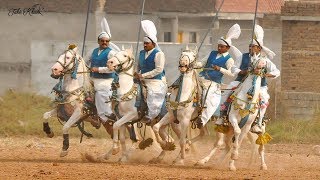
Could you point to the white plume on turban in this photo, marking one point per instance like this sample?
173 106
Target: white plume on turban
105 29
150 30
105 32
233 33
258 40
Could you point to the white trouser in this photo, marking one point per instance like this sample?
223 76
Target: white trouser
103 93
156 90
212 101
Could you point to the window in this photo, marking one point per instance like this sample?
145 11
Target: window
180 37
167 37
192 37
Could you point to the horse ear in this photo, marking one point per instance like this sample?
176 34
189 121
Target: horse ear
131 49
187 47
122 47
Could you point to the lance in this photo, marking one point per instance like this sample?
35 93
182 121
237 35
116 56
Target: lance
254 21
211 25
139 31
85 29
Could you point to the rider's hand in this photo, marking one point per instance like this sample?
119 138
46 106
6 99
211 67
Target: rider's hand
94 69
138 76
243 72
217 68
269 75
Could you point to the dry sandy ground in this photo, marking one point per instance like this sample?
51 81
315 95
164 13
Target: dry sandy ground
38 158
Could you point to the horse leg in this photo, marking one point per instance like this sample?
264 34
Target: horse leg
116 126
237 132
108 128
218 143
261 153
168 118
122 136
72 120
253 147
184 127
46 127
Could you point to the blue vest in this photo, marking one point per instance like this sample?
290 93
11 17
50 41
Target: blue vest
214 75
245 63
264 82
148 64
100 61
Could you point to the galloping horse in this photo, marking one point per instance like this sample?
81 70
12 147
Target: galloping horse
181 110
72 91
124 98
244 110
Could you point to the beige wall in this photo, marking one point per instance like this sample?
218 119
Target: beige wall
300 80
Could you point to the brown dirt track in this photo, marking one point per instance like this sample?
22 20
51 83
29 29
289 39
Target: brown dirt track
38 158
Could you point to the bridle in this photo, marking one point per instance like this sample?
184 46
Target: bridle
74 61
120 69
190 63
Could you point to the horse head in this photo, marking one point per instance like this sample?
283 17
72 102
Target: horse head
121 61
187 59
258 64
66 62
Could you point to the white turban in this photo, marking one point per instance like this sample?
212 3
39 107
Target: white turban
258 40
233 33
104 35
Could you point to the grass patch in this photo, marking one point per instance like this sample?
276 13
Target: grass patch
294 131
21 114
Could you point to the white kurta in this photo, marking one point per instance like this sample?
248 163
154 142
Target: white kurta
213 94
156 88
103 91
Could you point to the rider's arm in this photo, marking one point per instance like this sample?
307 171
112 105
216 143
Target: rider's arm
229 65
272 70
159 66
201 63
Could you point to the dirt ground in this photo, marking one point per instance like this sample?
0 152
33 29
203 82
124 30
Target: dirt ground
38 158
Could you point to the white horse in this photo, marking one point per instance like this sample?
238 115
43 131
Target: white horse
124 99
185 93
245 104
71 92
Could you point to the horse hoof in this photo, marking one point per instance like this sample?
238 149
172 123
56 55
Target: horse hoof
178 162
63 153
115 150
154 161
50 135
232 168
123 159
264 167
200 163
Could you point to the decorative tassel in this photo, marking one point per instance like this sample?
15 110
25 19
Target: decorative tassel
222 129
263 139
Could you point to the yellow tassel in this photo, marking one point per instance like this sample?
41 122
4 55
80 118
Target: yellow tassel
71 46
263 139
243 112
222 129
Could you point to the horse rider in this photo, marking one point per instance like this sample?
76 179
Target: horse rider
218 64
271 71
151 71
101 76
